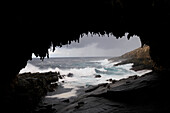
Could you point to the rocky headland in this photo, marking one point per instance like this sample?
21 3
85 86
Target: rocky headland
140 58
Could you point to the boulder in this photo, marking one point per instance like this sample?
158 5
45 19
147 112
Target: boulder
70 75
98 76
111 80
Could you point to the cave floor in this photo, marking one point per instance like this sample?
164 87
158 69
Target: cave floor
146 94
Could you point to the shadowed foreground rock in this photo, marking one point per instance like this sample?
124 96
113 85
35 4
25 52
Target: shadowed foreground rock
132 95
28 90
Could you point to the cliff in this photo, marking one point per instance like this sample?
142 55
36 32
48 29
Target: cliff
139 57
142 52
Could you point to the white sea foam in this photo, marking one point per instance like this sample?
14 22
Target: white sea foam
142 72
83 71
30 68
126 66
102 70
86 76
107 63
33 69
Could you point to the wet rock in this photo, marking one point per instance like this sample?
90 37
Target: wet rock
127 82
80 104
70 75
140 58
111 80
61 76
66 100
98 76
45 109
30 88
133 77
52 87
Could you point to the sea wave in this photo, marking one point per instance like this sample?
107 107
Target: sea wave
86 75
76 71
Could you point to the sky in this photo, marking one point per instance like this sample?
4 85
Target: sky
97 46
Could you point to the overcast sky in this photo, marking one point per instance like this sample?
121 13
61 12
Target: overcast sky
92 46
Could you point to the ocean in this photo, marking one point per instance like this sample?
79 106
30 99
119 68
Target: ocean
84 70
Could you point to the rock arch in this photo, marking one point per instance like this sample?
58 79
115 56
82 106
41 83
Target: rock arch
58 24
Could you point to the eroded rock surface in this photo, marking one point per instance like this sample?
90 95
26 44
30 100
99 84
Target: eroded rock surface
139 57
132 95
28 90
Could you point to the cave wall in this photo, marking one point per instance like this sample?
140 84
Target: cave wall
59 23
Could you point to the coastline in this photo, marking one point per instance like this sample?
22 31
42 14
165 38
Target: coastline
118 92
140 58
138 94
53 95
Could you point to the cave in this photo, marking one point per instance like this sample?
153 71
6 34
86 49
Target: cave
60 23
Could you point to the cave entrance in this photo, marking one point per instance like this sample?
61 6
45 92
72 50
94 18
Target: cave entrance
89 62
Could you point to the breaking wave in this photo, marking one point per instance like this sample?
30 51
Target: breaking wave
86 75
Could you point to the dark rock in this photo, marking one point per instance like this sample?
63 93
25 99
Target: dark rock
70 75
111 80
45 109
133 77
52 87
139 57
98 76
30 88
128 82
81 104
92 88
66 100
60 76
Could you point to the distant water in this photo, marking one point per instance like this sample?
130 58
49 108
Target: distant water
84 69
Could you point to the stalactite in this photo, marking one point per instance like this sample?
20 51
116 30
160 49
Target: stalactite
34 34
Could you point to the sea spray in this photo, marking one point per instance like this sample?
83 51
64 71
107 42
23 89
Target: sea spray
83 68
84 71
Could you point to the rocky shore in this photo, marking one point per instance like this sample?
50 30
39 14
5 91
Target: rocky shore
28 89
145 94
140 58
